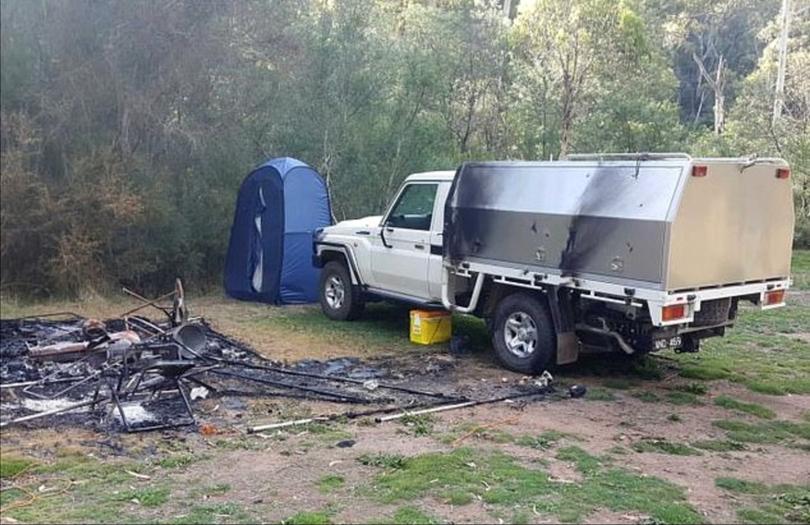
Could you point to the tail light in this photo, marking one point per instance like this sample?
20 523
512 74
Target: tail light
783 173
673 312
700 171
774 297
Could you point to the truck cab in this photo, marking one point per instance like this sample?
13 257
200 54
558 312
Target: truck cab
397 255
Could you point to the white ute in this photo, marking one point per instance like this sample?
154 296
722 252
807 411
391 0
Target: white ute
632 253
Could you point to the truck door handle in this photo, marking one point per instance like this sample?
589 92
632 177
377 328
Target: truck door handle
363 232
419 246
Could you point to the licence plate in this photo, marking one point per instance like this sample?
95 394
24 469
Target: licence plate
672 342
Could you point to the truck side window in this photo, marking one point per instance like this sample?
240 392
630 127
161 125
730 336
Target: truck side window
414 209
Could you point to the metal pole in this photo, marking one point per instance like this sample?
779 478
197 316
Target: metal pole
337 379
39 381
285 424
55 411
146 302
317 391
444 408
332 417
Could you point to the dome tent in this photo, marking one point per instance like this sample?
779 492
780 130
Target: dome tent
279 206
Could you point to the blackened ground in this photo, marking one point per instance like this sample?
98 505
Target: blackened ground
227 369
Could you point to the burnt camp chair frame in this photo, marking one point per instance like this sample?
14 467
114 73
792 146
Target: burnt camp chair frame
168 373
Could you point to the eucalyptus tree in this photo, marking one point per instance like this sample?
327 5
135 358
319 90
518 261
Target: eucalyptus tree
567 46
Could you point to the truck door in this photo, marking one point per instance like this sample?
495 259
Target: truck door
400 264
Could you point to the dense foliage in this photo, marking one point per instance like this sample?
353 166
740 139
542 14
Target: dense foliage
127 126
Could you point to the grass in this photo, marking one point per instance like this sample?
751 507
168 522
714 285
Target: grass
697 389
758 352
213 490
663 446
738 485
179 461
410 515
583 461
762 351
383 327
599 394
330 483
771 504
544 441
419 425
460 476
11 466
312 435
84 489
228 512
800 268
647 368
153 496
386 461
765 432
719 445
321 433
683 399
749 408
89 492
645 396
471 430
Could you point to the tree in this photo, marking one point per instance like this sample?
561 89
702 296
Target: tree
572 44
779 95
751 126
713 45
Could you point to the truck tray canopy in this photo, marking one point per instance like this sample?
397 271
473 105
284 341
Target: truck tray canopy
647 220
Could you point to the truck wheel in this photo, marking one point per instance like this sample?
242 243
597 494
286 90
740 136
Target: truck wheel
523 333
340 300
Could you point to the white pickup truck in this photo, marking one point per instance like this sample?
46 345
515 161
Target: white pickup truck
633 253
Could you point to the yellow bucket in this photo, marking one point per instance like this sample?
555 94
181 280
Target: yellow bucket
430 327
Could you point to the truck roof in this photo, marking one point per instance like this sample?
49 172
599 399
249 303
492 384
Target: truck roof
441 176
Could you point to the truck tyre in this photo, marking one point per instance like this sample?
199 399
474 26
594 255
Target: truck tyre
340 299
523 333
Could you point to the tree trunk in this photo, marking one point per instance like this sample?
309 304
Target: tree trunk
719 98
566 123
718 84
779 95
719 112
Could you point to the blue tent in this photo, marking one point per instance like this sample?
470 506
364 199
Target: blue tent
280 204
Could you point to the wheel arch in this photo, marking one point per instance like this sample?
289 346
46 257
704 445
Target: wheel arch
343 254
494 292
557 300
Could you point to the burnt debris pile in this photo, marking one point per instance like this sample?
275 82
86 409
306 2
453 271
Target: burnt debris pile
134 373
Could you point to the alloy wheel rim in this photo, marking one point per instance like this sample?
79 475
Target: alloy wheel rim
335 292
520 334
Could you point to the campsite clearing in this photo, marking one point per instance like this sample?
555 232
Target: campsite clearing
723 435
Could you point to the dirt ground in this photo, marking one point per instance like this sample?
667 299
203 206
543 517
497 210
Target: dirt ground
669 439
